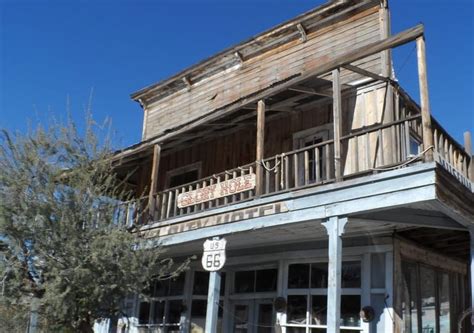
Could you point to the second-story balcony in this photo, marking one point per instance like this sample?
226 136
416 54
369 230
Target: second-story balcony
340 123
371 149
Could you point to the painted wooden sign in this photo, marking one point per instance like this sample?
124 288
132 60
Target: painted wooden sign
213 257
213 220
216 191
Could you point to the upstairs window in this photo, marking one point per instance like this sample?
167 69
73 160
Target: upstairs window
183 175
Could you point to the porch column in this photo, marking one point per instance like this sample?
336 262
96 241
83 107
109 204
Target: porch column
260 145
213 302
424 97
154 179
336 109
335 228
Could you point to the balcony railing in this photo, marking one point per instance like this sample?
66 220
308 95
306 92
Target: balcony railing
377 148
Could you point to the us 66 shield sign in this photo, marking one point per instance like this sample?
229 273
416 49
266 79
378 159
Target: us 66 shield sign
213 258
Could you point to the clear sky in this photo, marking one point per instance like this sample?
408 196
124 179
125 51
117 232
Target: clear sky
53 49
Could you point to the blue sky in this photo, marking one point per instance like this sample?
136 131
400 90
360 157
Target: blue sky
53 49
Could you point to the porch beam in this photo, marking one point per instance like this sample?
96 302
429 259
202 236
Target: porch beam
424 98
335 228
336 109
260 145
154 179
364 72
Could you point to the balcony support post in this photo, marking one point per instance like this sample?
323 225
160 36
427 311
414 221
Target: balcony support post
335 228
424 98
468 150
336 109
154 179
260 145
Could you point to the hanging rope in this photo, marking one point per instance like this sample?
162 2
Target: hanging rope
414 158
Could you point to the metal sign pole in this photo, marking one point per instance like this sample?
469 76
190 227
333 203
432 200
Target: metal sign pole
213 302
213 259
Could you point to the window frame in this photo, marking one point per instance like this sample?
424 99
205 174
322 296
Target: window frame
182 170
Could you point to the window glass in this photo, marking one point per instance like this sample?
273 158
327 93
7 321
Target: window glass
201 283
244 282
174 311
444 304
377 271
158 312
350 307
351 274
161 288
298 276
319 275
184 178
319 310
296 309
144 313
176 285
428 299
265 318
266 280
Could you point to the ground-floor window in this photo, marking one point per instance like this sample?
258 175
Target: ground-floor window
307 297
432 298
162 312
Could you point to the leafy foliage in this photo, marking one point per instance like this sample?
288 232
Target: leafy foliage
62 244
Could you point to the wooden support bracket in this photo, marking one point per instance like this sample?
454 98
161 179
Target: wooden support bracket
302 31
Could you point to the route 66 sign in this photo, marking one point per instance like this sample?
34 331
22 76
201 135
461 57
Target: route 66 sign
213 258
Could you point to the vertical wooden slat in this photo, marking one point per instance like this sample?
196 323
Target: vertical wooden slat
250 172
407 139
226 198
336 107
164 198
316 161
242 194
277 175
328 161
189 208
424 97
267 181
468 150
154 178
380 147
168 209
211 182
182 210
234 196
356 154
175 206
260 144
306 167
295 169
287 173
367 150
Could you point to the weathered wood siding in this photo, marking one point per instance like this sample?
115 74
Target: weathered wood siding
260 72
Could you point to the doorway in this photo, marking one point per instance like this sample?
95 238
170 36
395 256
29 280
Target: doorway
253 316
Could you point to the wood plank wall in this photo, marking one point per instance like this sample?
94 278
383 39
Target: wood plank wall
259 72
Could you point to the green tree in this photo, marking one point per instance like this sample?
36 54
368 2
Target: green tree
63 245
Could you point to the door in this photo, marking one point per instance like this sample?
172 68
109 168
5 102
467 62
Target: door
253 316
316 159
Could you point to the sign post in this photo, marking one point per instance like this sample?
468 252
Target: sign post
213 259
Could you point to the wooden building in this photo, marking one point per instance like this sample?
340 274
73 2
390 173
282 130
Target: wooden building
335 190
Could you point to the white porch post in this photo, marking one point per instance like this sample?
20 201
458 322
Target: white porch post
213 302
335 228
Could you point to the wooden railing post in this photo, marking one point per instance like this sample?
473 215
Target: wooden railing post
260 145
424 98
336 109
468 150
154 179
